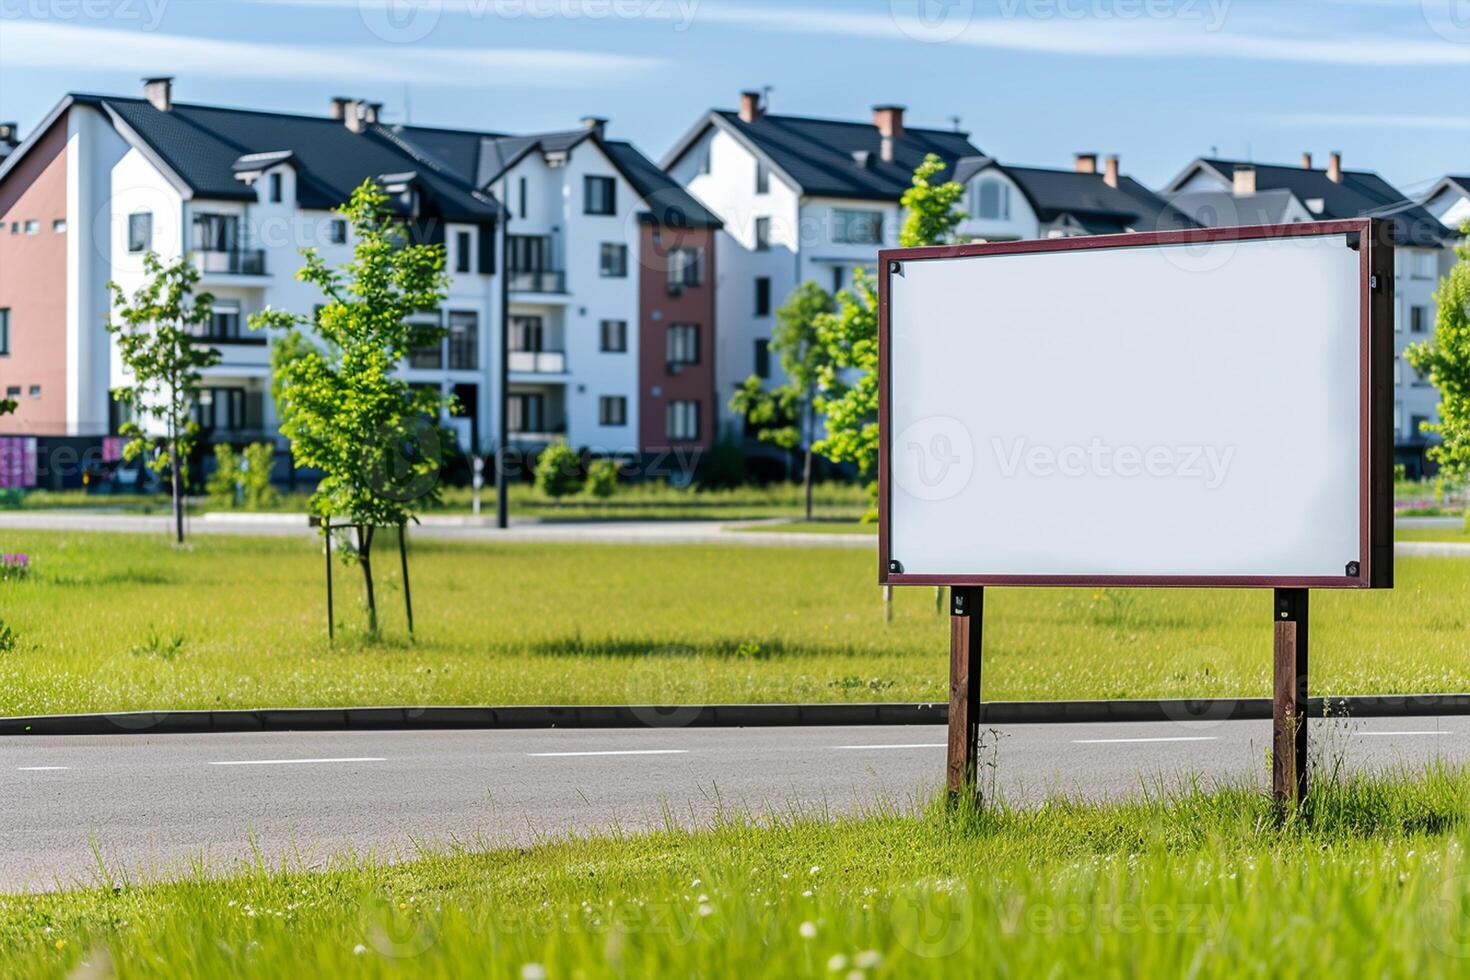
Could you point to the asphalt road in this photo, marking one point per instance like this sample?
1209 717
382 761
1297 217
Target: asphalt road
152 803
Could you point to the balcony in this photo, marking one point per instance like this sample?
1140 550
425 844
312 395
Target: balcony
537 281
231 262
538 361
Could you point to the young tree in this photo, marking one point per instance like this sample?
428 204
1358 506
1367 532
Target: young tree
342 404
786 416
1446 362
849 386
157 330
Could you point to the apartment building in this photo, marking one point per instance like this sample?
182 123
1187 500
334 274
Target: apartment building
800 198
1004 202
594 262
1235 192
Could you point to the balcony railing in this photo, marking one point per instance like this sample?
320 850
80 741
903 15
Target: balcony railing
538 361
538 281
235 262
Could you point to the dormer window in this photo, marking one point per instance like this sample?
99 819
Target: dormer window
992 200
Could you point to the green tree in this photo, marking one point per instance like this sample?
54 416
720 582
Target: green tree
255 476
559 470
156 332
342 403
223 485
1446 363
849 385
786 416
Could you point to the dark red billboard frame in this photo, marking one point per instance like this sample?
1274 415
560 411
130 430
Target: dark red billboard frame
1376 282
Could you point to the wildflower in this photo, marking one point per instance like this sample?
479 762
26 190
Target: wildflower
706 909
808 930
402 906
533 971
837 963
815 869
61 944
359 949
869 959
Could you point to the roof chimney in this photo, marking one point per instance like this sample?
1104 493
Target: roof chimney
1110 170
356 115
750 107
1245 180
1334 167
889 120
1086 163
597 124
160 92
1306 161
339 107
372 113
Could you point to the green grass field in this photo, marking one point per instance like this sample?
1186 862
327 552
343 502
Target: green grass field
1368 879
127 622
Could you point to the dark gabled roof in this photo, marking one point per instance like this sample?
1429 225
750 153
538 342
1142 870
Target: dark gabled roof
833 158
1361 193
1215 209
484 157
1458 183
669 204
206 146
1086 198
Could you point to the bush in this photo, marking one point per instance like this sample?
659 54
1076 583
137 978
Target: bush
260 458
223 485
602 478
8 638
724 465
559 470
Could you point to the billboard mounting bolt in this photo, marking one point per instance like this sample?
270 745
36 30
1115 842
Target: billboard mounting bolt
895 566
895 268
1352 569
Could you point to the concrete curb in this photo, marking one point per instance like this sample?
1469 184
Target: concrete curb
713 716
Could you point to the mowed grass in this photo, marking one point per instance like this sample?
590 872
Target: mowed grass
127 622
1369 877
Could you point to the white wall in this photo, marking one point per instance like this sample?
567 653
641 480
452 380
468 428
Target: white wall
1021 224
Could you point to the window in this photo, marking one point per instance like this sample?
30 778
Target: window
337 232
276 184
762 178
614 261
599 195
686 268
851 227
836 280
1398 371
1398 417
527 412
1422 264
4 333
705 159
216 232
33 227
59 226
683 343
35 391
612 410
463 251
429 356
527 333
683 420
763 296
762 234
224 320
1420 381
13 391
464 341
992 200
762 358
521 210
614 336
1418 319
140 231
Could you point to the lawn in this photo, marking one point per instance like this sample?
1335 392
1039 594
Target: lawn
126 622
1370 875
811 527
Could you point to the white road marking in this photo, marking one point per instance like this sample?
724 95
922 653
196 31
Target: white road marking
915 745
43 768
1125 741
610 752
293 762
1404 733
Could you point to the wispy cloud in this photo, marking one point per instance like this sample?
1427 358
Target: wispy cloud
69 47
1334 120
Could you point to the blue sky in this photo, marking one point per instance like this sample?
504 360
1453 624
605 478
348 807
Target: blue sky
1387 82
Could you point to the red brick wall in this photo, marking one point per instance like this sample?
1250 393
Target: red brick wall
33 286
657 310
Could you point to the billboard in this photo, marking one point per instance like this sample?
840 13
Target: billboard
1209 407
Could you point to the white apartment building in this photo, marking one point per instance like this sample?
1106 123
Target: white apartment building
801 199
104 180
1224 192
